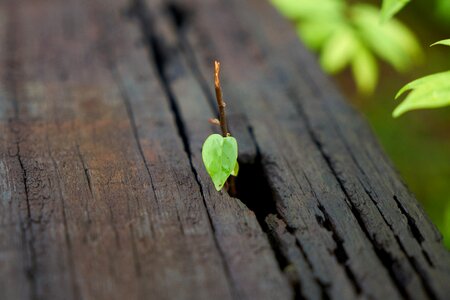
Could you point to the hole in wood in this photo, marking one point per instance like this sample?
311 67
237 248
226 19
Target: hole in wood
253 189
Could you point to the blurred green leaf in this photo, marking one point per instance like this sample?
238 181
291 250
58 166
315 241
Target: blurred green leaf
315 33
390 7
309 9
391 41
443 42
339 50
427 92
365 70
352 34
442 11
220 158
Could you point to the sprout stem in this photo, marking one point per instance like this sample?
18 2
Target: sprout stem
230 184
220 102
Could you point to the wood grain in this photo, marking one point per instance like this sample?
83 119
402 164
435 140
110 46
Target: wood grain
103 195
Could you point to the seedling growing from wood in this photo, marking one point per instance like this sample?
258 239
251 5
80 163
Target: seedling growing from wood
220 152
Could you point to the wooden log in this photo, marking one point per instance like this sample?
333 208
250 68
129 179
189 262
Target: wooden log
103 112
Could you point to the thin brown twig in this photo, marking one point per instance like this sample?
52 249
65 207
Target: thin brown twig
230 184
220 102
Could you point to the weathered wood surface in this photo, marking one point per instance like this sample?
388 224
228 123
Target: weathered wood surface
103 110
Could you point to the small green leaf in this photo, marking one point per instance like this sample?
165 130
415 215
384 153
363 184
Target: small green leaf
427 92
443 42
220 158
390 7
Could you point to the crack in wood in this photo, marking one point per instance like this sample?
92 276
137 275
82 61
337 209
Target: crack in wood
411 222
180 19
85 169
27 229
12 79
324 288
339 252
253 189
307 285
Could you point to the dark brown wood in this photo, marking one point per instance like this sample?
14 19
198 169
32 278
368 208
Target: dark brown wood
104 106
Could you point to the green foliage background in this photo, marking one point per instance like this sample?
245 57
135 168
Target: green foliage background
418 142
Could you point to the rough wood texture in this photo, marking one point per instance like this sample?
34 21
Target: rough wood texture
104 108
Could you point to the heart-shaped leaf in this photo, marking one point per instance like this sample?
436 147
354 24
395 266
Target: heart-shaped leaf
220 158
